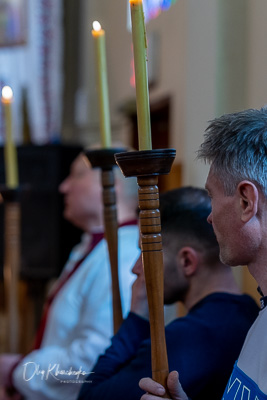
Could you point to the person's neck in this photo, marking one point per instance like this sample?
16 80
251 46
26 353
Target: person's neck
125 215
259 273
94 226
96 229
257 265
221 282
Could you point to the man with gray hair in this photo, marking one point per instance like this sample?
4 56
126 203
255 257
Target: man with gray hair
236 147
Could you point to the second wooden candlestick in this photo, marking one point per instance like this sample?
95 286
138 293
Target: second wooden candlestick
104 159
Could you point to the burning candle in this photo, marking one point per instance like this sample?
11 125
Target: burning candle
141 82
10 152
101 68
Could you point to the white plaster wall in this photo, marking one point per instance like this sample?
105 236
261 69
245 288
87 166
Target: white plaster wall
170 26
200 78
257 54
188 68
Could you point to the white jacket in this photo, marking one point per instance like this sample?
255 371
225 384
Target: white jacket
80 322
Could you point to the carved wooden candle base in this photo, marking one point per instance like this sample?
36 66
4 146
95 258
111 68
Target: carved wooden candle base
12 217
104 159
147 165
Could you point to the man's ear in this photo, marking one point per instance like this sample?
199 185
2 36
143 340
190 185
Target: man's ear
249 196
188 258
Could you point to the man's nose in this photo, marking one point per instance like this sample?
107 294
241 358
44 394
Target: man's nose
209 219
138 266
63 186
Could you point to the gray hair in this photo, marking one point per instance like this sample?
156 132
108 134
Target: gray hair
236 145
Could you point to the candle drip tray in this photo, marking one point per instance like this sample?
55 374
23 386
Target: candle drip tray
146 162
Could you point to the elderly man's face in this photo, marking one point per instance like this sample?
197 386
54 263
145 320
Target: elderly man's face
82 193
226 222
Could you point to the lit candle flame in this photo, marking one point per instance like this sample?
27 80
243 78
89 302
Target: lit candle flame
96 26
7 93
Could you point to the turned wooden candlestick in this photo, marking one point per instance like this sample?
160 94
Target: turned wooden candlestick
12 217
104 159
147 165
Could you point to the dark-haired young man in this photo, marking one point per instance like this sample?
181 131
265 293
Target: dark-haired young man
202 345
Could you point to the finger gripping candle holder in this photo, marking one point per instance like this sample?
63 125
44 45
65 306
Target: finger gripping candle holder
146 165
104 159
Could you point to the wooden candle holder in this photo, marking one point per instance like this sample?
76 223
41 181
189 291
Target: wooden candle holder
12 217
104 159
146 165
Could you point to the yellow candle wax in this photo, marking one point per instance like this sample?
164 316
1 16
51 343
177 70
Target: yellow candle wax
141 82
10 151
102 83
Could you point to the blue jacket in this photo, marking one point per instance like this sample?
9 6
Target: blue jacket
202 346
